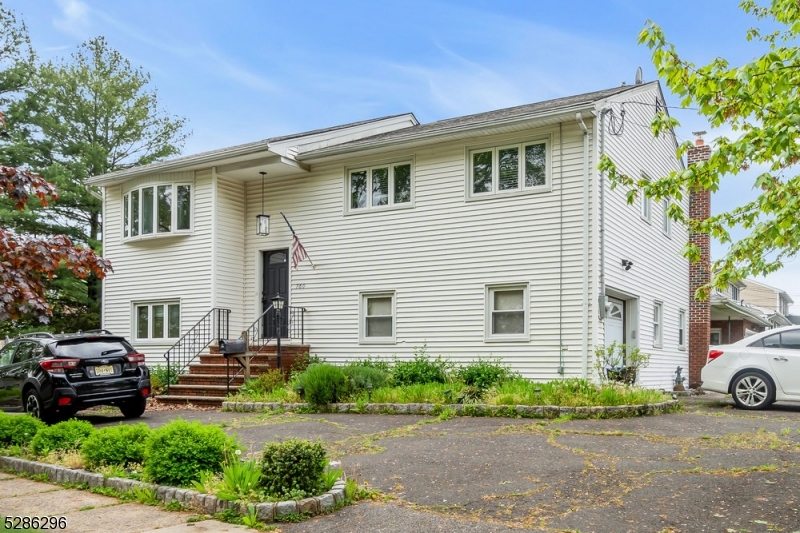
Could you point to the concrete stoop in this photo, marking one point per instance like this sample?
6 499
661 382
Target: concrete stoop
198 501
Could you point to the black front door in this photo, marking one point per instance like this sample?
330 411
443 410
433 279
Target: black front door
276 281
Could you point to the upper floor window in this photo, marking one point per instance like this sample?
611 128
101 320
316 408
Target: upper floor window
509 168
157 210
379 186
666 222
647 204
734 291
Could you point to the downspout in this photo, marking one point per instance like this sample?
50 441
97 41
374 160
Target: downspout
585 329
560 249
601 299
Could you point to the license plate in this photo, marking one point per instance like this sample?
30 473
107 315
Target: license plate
105 370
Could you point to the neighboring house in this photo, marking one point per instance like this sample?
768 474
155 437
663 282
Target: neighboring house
735 316
484 235
762 295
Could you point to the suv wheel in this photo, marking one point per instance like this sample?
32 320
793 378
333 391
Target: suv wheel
133 408
33 405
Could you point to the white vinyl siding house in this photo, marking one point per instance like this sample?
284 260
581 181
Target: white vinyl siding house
477 237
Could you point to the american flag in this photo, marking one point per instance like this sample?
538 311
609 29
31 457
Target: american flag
298 252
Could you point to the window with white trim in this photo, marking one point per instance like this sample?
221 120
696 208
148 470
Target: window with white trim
509 168
647 203
507 312
157 320
666 222
379 186
658 322
682 328
157 209
377 324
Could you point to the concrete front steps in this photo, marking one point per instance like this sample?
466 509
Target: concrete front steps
206 383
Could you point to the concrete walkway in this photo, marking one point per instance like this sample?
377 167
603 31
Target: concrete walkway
710 468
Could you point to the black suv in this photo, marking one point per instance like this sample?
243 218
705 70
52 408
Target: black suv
55 376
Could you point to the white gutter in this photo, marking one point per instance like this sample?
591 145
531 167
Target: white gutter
585 329
198 160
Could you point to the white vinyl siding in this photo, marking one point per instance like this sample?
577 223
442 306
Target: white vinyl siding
517 167
151 270
437 257
660 271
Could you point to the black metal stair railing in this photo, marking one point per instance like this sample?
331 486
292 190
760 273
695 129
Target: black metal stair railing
214 325
257 338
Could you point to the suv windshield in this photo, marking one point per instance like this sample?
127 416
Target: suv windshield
92 348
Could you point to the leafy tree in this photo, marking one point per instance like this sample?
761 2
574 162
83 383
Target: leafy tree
75 119
760 101
26 264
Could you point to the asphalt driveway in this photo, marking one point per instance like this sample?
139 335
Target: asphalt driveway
709 468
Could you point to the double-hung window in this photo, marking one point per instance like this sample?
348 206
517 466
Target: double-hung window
155 321
379 186
377 323
509 168
666 222
507 312
161 209
647 203
658 323
682 329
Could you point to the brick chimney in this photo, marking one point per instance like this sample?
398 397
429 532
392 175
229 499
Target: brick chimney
700 272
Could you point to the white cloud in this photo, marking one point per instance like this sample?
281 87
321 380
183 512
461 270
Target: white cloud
74 18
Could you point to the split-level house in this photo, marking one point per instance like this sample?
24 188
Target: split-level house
487 235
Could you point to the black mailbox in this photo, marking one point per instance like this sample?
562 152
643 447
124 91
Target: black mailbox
232 346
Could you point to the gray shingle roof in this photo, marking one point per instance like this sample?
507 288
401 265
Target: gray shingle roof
510 113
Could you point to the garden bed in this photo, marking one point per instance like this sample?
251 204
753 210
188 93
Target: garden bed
192 499
436 409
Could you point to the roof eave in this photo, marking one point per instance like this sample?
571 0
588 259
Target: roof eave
193 162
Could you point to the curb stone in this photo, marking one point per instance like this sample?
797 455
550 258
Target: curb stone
204 503
475 409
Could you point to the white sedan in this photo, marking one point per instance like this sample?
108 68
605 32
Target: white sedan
757 370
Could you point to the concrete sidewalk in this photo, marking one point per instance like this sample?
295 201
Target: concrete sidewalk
88 512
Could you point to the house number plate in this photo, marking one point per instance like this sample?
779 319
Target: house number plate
299 286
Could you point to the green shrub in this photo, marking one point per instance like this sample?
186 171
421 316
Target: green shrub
265 383
116 445
323 384
67 435
421 369
369 362
293 467
361 377
303 361
484 373
177 453
156 383
619 362
159 372
18 430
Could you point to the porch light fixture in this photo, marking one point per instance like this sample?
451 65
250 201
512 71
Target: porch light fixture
277 302
262 220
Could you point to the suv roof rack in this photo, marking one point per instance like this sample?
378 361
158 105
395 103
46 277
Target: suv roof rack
37 335
98 331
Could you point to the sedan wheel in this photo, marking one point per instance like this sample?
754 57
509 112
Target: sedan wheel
753 390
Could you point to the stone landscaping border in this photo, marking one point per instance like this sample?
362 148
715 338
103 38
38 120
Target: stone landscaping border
198 501
508 411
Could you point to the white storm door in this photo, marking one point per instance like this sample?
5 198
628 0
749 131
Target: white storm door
615 323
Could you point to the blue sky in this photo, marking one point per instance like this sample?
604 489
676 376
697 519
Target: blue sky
246 70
